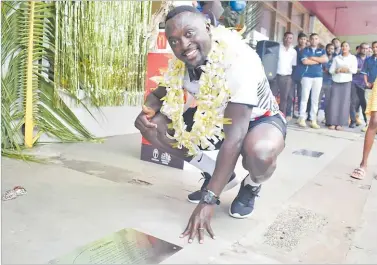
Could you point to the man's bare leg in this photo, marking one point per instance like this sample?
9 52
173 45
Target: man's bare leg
262 146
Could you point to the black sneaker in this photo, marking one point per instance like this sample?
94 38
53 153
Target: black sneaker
352 124
243 204
196 196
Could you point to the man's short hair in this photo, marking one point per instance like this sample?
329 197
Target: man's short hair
375 42
313 34
358 46
363 44
180 9
302 35
328 45
287 33
334 39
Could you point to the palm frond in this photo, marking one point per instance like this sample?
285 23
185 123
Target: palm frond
29 99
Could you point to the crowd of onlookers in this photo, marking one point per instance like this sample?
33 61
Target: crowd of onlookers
333 78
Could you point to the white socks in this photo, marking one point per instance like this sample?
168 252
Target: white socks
249 181
204 163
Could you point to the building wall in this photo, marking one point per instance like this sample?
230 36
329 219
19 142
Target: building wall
281 16
358 39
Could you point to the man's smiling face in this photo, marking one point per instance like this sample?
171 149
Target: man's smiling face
189 37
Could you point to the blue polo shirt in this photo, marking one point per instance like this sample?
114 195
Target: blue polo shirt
314 70
370 68
299 69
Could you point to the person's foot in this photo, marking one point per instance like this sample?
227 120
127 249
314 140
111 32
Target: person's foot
295 117
352 124
196 196
301 122
364 129
358 122
243 204
339 128
359 173
315 125
288 118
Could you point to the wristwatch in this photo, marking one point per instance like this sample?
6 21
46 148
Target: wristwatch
209 197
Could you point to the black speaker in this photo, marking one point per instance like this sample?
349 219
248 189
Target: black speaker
268 51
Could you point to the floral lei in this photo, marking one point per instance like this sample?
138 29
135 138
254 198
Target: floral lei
212 99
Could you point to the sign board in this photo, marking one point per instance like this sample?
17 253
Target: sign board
157 64
126 246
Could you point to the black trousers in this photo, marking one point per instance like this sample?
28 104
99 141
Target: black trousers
357 100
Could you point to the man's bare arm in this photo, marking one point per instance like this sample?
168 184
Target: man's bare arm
153 100
230 150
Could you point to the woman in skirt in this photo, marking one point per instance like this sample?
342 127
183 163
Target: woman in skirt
371 111
342 68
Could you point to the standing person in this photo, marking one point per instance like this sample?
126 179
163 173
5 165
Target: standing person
342 68
213 65
327 78
358 88
359 173
287 60
337 44
297 73
370 71
313 58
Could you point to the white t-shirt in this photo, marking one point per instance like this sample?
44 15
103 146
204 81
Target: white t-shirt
339 61
287 59
247 81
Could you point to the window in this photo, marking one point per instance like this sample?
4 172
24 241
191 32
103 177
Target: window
295 31
280 29
266 22
283 7
297 17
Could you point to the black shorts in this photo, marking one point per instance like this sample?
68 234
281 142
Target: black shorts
276 120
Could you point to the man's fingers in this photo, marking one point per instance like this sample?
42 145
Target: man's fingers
210 231
201 233
193 230
187 230
148 124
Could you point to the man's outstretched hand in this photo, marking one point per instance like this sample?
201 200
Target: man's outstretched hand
200 222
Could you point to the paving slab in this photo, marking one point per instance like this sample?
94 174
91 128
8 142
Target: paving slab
88 191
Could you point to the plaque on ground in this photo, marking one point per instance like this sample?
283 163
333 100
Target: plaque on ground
126 246
305 152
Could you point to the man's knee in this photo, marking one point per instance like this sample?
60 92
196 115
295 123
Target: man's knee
262 155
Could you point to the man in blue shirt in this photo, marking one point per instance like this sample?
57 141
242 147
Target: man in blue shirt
358 88
312 57
336 42
297 73
370 70
370 67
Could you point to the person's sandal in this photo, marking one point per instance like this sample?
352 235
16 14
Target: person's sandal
339 128
332 127
358 173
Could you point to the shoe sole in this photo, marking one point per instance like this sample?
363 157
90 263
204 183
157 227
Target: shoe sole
228 186
238 216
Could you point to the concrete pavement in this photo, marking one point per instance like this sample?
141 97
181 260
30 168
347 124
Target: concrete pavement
311 211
